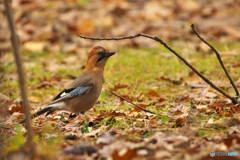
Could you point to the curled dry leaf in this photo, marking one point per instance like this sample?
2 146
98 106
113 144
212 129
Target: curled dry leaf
119 86
16 108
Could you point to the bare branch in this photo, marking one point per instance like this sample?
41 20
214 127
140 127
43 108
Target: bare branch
18 61
219 58
113 38
135 104
196 71
234 101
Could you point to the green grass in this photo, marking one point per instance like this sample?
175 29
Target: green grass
138 68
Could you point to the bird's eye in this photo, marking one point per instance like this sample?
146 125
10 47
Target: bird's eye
100 53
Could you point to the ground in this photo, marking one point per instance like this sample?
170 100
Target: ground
195 119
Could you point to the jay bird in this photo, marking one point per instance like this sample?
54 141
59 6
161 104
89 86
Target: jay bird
83 92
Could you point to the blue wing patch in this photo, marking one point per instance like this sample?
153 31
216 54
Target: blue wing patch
79 90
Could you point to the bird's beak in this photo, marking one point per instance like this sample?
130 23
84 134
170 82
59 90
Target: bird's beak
110 54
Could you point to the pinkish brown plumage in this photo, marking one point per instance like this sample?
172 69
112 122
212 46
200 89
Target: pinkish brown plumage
83 92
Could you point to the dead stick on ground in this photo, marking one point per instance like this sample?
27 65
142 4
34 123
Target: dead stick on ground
135 104
234 101
219 58
18 61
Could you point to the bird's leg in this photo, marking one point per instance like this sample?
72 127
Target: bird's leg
73 115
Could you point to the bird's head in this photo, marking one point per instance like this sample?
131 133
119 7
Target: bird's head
98 57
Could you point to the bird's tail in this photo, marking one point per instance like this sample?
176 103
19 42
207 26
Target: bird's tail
44 110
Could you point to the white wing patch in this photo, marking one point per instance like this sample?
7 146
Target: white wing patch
60 106
63 94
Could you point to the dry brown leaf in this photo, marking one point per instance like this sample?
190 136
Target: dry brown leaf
109 114
229 141
4 109
16 108
180 122
127 156
85 27
152 94
33 99
119 86
138 109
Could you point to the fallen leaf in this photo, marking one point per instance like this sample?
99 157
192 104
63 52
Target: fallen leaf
109 114
33 99
16 108
211 95
138 109
119 86
4 109
127 156
229 141
106 138
152 94
180 122
34 46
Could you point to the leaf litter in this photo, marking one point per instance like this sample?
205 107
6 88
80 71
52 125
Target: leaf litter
184 131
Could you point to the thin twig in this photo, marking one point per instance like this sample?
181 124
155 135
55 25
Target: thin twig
18 61
135 104
219 58
196 71
234 101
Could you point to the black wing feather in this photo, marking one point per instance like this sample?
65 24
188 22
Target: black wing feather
65 90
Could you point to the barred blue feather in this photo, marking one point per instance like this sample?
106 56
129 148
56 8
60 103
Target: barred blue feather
79 90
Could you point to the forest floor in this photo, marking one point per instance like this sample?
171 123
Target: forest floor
195 119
